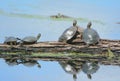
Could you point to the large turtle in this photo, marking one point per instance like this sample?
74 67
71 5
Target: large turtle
69 34
90 36
30 39
71 67
90 68
11 41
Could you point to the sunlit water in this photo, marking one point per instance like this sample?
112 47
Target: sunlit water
21 26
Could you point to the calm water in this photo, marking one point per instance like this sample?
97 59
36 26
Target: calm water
55 71
24 18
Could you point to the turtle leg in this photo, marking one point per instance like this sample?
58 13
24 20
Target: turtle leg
11 44
15 43
99 43
94 44
87 45
21 43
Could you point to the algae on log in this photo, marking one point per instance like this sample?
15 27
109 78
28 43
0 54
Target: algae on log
58 47
74 58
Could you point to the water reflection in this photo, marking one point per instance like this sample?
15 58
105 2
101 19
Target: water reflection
26 62
83 69
74 67
90 68
71 67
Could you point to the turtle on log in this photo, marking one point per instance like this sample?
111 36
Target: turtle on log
30 39
70 33
11 40
90 36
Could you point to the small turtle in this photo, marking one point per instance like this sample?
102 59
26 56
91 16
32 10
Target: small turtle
30 39
90 68
69 34
90 36
11 62
30 63
59 15
11 41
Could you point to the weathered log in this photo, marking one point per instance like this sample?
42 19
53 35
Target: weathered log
77 46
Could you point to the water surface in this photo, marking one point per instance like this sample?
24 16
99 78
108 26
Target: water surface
53 70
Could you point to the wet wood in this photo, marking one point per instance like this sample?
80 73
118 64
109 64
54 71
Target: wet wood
77 46
77 60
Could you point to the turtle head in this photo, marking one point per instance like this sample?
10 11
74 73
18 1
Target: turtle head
74 77
59 14
74 22
89 76
89 25
38 36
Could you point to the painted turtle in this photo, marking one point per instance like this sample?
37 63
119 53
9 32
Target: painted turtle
69 34
90 68
11 41
30 63
71 67
30 39
11 61
90 36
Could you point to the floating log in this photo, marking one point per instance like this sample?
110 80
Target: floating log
77 46
59 16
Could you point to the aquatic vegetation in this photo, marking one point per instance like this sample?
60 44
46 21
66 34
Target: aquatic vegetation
60 55
110 54
35 16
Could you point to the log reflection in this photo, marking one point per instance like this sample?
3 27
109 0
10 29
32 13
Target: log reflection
12 61
74 67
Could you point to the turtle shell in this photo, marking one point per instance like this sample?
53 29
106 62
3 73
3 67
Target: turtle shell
90 36
11 62
90 68
30 63
29 39
68 34
10 40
